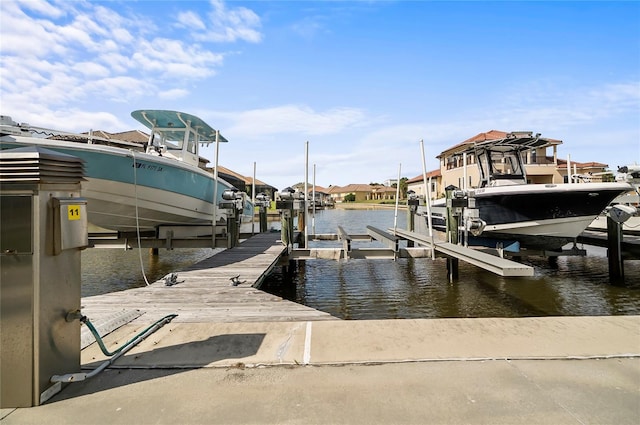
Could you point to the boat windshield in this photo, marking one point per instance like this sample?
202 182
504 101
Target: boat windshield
175 141
505 163
500 167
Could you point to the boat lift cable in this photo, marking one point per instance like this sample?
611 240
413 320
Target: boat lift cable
76 377
135 190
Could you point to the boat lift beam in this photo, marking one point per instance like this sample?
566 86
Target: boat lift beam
166 236
391 249
492 263
358 253
390 241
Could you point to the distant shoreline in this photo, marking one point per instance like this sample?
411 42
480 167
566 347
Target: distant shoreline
364 206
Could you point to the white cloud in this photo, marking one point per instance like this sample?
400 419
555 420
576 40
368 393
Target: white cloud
54 53
39 6
226 24
190 20
173 94
294 119
91 69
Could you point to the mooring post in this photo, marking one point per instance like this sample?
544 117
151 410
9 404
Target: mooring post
233 229
412 206
263 219
302 227
614 252
285 221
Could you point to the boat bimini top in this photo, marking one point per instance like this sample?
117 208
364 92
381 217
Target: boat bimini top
177 134
500 160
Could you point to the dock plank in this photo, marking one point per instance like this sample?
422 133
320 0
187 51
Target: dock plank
205 293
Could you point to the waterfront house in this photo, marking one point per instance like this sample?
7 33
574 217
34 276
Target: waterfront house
363 192
434 179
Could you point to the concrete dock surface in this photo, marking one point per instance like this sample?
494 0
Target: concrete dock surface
552 370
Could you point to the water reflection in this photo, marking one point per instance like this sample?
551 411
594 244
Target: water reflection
111 270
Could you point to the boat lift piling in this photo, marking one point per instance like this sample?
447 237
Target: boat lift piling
288 204
614 251
455 205
616 217
412 207
263 202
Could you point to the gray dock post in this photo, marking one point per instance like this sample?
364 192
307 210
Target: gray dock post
233 229
614 251
452 230
263 219
286 222
288 204
263 202
302 227
412 204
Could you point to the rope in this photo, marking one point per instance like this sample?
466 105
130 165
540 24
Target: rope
135 190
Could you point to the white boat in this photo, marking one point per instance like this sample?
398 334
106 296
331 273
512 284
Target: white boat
532 216
132 186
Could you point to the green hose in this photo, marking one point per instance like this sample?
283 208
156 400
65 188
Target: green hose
106 352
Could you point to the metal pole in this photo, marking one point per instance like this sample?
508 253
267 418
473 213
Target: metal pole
427 197
215 191
253 200
313 214
306 193
464 187
569 179
395 217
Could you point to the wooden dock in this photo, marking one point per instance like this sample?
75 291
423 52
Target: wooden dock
205 292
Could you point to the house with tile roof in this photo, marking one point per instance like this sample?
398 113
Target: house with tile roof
363 192
416 184
542 166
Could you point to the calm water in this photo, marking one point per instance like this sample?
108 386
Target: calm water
405 288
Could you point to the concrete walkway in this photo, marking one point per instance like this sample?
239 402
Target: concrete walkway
555 370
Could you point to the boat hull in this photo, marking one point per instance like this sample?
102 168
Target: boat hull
128 190
543 217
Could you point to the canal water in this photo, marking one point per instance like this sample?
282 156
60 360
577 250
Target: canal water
404 288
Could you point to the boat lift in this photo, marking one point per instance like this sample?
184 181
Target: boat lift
170 236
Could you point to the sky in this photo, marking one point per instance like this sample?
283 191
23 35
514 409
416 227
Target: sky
357 84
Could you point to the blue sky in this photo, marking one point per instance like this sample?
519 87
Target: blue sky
362 81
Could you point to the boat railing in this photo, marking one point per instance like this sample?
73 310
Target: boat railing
87 138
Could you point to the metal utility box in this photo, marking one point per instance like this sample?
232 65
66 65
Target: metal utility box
43 227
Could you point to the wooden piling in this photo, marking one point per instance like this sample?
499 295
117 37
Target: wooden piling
263 219
614 251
